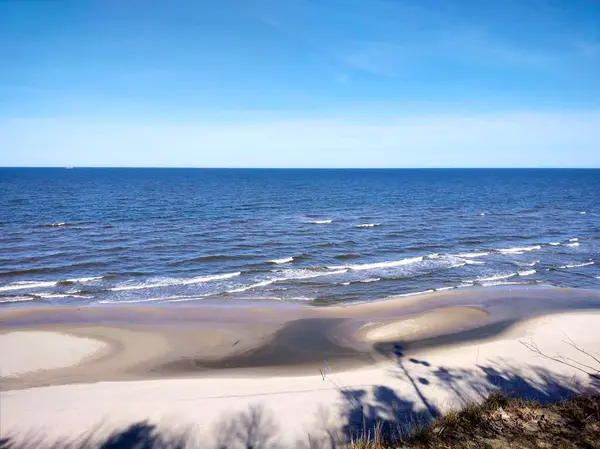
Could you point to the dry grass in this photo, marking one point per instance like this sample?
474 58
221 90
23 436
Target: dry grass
502 422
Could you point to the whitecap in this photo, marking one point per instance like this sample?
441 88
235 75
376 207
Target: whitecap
140 300
61 295
432 256
573 244
471 255
574 239
387 264
322 221
366 281
496 278
282 261
300 298
582 212
528 264
367 225
500 282
287 275
22 285
167 282
415 293
17 299
526 273
518 250
577 265
88 279
251 286
474 262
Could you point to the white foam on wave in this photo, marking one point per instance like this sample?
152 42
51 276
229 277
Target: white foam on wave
88 279
366 281
500 282
583 212
62 223
528 264
167 282
573 244
519 249
575 239
158 298
472 255
322 221
61 295
554 243
282 261
375 265
367 225
22 285
17 299
474 262
577 265
286 275
251 286
415 293
526 272
498 277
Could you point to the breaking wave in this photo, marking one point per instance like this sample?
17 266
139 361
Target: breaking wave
578 265
168 282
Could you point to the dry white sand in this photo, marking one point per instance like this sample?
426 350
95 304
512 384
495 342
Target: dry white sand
289 409
27 351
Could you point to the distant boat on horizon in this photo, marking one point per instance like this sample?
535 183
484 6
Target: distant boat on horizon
68 168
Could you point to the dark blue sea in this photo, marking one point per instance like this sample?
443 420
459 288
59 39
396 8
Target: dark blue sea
104 236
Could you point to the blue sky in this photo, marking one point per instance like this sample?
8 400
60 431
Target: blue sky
300 83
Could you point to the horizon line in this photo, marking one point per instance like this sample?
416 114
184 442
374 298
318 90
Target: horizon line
292 168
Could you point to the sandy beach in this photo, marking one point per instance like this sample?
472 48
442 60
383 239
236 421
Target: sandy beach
274 376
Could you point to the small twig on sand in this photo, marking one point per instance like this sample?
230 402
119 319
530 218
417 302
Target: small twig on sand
574 346
533 347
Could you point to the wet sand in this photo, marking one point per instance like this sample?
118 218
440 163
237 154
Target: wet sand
256 340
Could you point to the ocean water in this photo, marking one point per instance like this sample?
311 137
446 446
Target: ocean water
104 236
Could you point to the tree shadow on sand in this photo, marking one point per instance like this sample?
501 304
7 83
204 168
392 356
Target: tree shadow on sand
251 429
376 410
381 410
142 435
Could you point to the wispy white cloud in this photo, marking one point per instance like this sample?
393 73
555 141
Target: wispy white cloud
392 38
268 140
587 49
